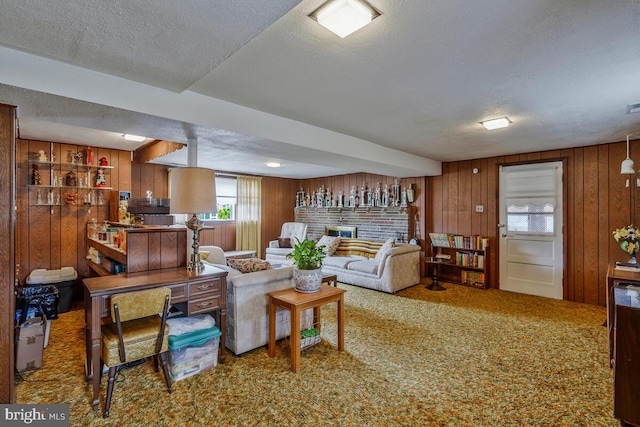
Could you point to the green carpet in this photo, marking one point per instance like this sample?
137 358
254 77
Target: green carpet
461 357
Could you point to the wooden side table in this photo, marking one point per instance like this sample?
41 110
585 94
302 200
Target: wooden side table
296 303
435 263
330 279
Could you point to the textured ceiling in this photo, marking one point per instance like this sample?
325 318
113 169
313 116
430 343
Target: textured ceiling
255 81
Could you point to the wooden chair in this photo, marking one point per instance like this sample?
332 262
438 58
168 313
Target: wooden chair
138 331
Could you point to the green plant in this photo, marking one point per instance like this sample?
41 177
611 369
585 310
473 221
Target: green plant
306 255
224 213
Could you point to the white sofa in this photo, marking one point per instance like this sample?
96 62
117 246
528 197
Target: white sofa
357 262
247 304
277 255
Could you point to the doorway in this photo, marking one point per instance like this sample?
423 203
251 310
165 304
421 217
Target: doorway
531 240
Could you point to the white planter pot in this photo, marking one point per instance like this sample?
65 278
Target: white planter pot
307 281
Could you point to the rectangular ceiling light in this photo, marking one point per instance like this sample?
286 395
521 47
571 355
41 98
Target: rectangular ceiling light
492 124
135 138
343 17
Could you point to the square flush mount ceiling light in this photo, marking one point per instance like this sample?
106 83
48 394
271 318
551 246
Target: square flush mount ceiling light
135 138
492 124
343 17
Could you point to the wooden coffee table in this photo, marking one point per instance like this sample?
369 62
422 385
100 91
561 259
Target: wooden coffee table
296 303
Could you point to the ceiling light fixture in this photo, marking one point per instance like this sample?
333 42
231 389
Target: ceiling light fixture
492 124
633 108
135 138
343 17
273 164
626 168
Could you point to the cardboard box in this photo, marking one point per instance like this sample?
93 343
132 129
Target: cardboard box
30 344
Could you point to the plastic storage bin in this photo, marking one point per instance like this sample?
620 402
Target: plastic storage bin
193 352
64 279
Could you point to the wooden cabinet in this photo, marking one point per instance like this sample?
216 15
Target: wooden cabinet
468 256
147 248
624 325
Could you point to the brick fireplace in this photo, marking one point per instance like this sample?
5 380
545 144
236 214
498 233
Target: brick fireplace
378 224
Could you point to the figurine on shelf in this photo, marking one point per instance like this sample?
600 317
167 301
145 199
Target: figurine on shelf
78 158
104 161
42 157
89 157
35 180
71 157
70 179
101 182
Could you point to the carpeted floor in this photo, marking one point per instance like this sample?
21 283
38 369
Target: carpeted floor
461 357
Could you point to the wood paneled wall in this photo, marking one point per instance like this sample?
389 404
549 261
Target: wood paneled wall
278 202
596 203
51 237
7 252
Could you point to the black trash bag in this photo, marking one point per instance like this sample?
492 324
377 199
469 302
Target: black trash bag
44 298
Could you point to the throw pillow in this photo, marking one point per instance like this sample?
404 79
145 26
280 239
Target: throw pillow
284 242
386 247
330 243
248 265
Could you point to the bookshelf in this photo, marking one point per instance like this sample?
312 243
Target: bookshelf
468 255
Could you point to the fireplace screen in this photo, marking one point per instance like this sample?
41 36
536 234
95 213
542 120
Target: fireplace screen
340 230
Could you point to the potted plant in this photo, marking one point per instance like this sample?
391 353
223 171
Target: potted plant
307 261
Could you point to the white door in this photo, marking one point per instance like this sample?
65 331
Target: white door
531 229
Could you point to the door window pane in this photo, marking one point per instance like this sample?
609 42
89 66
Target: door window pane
530 219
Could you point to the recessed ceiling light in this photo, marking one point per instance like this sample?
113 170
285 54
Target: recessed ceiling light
135 138
492 124
273 164
343 17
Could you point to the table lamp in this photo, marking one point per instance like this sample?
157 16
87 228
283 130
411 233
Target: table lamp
193 191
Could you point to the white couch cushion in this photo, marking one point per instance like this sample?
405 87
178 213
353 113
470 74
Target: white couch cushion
340 261
369 266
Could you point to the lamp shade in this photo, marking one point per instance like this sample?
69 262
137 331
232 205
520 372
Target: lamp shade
626 168
193 191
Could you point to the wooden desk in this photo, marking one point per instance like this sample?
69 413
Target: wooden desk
191 293
296 303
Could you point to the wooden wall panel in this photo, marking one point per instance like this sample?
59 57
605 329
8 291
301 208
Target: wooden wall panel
577 202
155 251
169 256
7 252
52 237
137 252
596 202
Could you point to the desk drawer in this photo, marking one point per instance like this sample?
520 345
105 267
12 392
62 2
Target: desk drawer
203 305
209 287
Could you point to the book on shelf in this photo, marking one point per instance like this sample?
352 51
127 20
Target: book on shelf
473 278
458 241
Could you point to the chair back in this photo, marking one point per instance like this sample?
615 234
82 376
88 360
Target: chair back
138 305
293 231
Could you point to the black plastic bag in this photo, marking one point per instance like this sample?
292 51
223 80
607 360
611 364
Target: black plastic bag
44 298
